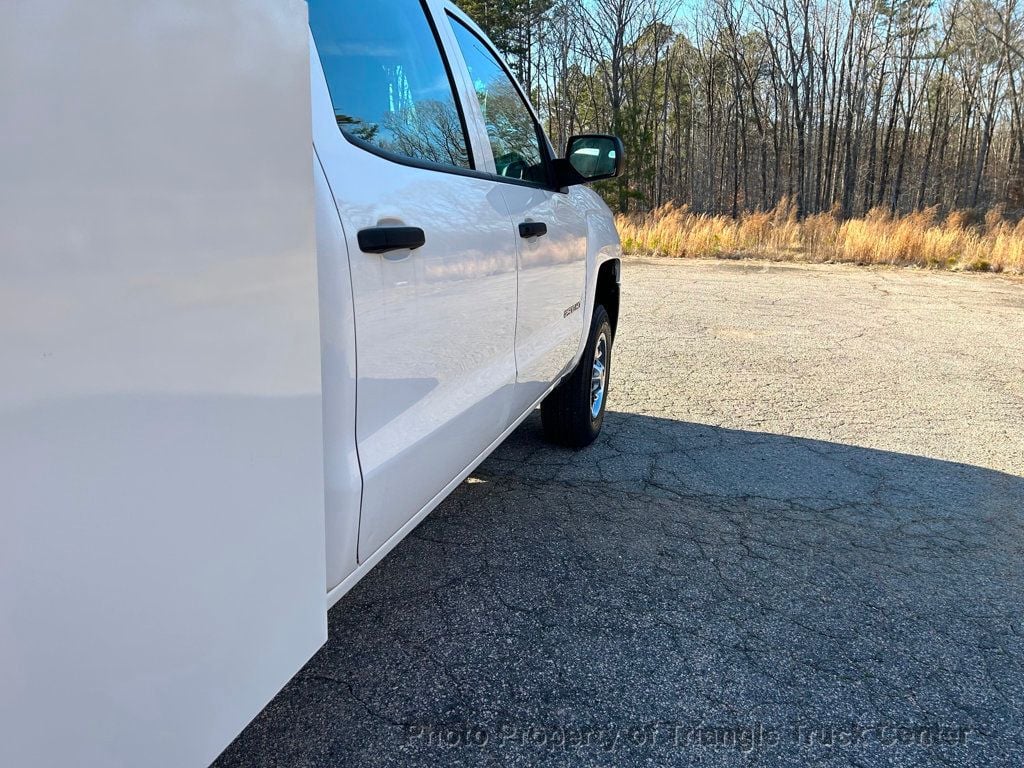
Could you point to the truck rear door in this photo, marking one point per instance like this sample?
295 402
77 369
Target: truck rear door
432 256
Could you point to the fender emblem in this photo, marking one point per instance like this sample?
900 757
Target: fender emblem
571 309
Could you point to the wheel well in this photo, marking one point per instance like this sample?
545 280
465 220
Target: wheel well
607 293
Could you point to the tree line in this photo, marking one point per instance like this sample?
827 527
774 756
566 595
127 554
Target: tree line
737 105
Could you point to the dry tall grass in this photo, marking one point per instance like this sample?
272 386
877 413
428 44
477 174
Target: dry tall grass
920 239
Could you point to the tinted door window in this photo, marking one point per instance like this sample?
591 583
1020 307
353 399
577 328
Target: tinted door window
388 82
511 129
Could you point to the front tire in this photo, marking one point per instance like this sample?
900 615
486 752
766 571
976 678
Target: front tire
573 413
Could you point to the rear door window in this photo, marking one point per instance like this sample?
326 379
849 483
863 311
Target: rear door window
390 86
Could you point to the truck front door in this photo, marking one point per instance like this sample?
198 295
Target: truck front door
551 230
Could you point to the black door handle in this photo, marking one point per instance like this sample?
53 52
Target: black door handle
533 229
384 239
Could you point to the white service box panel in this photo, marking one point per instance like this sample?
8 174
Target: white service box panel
161 467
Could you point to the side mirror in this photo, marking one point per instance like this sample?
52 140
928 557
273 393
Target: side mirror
592 157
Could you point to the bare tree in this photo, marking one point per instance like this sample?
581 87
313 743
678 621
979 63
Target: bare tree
730 105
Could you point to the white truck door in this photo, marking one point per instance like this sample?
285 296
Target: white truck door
161 463
431 253
551 232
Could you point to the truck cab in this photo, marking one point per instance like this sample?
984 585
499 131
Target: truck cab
479 269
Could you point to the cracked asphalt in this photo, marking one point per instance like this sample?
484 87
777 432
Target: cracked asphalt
798 542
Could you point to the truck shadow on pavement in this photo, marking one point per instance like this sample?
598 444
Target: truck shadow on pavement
669 594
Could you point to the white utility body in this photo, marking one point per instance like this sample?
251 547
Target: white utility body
275 276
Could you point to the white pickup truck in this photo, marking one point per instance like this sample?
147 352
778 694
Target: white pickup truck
230 385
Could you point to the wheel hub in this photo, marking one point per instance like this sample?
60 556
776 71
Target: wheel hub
598 377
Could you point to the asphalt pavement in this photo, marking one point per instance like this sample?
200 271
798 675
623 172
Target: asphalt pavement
799 541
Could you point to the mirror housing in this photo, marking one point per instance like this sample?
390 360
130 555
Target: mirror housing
590 157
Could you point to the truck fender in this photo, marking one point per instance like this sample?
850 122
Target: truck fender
603 246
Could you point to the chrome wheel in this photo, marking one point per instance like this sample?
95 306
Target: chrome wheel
573 412
598 377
